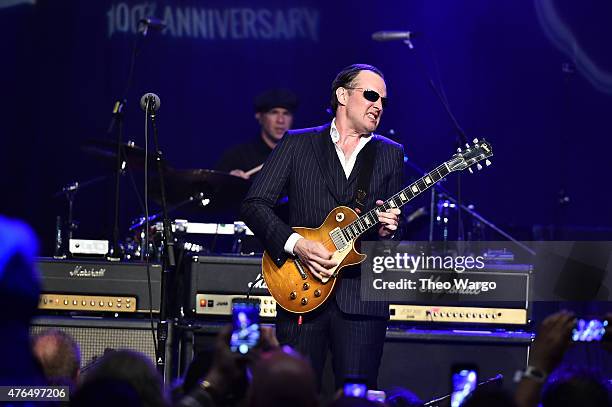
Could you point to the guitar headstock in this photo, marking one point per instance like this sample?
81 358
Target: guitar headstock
472 154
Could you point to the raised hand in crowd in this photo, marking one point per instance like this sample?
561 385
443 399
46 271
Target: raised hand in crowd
552 340
226 381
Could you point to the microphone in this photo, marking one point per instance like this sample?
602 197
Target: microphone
152 100
150 22
392 35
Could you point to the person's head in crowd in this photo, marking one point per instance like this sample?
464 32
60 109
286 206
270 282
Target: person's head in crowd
354 402
401 397
59 355
132 368
573 387
197 369
487 396
19 294
106 393
274 110
283 378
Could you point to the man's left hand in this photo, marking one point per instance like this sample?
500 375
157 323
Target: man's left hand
389 221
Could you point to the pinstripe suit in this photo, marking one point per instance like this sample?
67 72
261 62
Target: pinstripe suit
306 163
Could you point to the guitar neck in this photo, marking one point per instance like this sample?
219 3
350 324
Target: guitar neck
370 219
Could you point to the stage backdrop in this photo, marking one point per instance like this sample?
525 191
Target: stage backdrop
533 77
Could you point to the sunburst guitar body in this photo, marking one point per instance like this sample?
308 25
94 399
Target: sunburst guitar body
292 285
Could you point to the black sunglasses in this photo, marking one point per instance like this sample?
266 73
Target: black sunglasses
372 96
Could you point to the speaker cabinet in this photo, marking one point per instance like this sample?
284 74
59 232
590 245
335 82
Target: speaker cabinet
96 336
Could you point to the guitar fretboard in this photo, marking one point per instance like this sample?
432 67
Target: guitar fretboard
369 219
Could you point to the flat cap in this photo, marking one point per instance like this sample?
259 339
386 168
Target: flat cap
276 98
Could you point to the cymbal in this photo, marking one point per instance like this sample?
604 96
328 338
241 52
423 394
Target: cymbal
133 155
214 193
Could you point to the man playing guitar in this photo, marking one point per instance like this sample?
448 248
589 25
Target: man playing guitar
320 168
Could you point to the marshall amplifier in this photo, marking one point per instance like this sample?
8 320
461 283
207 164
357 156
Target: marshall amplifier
215 280
99 286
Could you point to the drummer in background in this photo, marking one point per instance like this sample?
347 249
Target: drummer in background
274 110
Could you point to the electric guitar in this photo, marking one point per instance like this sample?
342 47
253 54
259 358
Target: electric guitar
297 290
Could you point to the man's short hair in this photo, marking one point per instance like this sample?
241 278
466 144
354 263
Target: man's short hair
58 354
346 78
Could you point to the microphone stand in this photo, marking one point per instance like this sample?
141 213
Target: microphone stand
444 192
164 333
461 137
118 121
69 191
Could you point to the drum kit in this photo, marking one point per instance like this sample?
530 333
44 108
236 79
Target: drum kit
214 196
203 193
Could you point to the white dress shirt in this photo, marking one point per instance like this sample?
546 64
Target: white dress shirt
347 165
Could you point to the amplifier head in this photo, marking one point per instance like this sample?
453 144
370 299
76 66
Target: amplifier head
99 286
223 275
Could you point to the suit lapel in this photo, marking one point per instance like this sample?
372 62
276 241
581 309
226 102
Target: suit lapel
324 153
359 162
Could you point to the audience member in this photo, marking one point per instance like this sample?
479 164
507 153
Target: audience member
489 396
283 378
131 368
226 381
576 388
59 356
106 393
565 389
354 402
19 293
401 397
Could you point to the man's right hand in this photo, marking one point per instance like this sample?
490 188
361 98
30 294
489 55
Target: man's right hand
239 173
316 257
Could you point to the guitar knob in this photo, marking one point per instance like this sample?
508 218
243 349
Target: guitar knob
479 166
317 293
304 301
487 162
306 286
293 295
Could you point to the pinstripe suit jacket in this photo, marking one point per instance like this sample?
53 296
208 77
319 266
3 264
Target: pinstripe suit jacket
305 162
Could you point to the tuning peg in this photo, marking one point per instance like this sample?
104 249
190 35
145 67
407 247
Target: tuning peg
475 141
458 149
467 145
470 170
487 162
479 166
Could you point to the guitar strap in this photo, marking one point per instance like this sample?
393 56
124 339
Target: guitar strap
365 174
